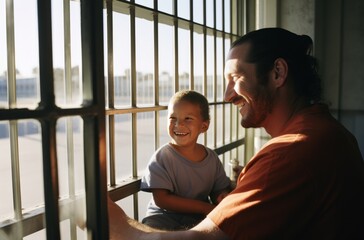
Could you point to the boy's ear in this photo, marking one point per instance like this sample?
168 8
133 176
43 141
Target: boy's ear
205 126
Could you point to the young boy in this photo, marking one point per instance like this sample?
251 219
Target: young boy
186 178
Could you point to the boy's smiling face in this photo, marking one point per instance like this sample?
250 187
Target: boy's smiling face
185 123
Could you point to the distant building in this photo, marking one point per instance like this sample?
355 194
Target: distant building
26 87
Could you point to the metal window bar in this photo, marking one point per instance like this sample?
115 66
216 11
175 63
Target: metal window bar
48 124
204 87
223 115
176 45
110 77
134 105
13 123
176 25
192 71
48 113
69 123
94 126
214 89
156 74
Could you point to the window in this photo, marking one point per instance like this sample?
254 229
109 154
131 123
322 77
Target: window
72 120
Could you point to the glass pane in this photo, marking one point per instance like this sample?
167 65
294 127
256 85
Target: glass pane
227 46
31 163
122 90
261 137
26 34
26 58
2 35
184 9
144 62
122 62
219 70
123 147
198 62
219 125
146 3
166 63
26 87
210 13
210 67
40 235
163 134
236 128
219 14
70 154
67 81
3 92
6 206
227 16
227 125
3 57
143 200
27 91
76 55
58 40
165 6
127 204
146 142
198 11
66 231
184 58
211 131
225 159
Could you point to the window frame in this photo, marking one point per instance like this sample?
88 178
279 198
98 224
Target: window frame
96 110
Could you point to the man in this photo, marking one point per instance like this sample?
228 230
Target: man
307 182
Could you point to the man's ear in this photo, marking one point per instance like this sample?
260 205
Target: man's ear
280 70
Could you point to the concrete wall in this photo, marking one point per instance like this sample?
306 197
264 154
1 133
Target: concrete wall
297 16
353 55
337 27
340 30
351 101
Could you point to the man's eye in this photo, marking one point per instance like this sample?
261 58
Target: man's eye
236 78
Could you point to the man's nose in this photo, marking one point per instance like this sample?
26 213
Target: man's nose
230 93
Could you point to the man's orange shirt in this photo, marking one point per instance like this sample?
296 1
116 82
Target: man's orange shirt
307 183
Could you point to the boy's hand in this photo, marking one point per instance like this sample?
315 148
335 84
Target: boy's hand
221 197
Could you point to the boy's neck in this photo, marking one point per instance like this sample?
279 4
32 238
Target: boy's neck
193 153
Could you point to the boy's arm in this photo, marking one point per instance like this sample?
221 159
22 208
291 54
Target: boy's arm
217 197
169 201
122 227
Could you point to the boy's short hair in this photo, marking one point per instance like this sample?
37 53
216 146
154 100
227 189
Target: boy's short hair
193 97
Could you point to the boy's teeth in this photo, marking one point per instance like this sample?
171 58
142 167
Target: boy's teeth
179 133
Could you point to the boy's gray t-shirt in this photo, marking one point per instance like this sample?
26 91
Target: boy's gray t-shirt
169 170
